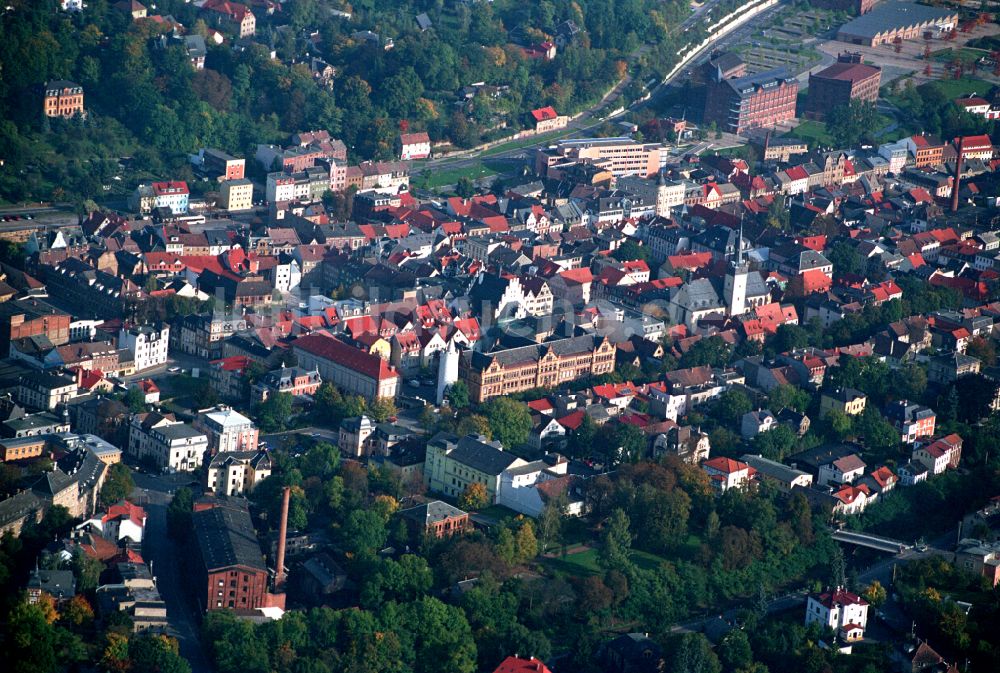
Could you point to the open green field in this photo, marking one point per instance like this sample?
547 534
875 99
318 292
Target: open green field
585 563
527 142
965 55
432 178
814 131
954 88
436 178
811 131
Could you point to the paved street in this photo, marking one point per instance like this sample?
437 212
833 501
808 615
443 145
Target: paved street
154 493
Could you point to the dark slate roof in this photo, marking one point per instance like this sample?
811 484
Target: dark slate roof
226 537
746 86
480 456
56 583
432 512
52 483
511 356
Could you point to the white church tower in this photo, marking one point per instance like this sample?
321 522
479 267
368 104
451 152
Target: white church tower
447 371
735 289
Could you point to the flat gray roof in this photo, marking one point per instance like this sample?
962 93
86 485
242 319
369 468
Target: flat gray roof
890 15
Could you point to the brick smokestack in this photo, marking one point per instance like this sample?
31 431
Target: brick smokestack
279 569
958 174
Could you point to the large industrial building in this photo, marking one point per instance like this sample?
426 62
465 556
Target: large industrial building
848 79
754 101
230 563
619 156
891 20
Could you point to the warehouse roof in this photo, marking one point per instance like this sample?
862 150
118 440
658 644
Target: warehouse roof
848 72
890 15
227 538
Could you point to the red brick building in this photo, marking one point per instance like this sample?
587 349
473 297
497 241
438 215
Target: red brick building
754 101
21 318
436 519
231 573
839 84
63 99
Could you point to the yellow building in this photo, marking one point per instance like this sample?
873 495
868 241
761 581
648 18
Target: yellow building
236 195
23 448
847 401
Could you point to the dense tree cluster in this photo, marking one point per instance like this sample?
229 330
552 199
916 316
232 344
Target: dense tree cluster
930 590
146 102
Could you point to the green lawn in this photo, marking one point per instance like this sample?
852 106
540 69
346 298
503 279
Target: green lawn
815 131
585 563
527 142
954 88
498 512
966 56
811 131
439 178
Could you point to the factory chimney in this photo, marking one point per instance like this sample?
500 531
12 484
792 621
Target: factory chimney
279 565
958 174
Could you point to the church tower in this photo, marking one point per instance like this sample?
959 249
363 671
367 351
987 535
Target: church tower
735 289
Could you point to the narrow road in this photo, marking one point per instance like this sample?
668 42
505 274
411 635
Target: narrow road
154 493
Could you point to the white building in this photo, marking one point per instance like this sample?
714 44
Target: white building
172 195
237 472
148 344
167 443
840 611
287 274
841 471
414 146
663 194
122 520
726 473
353 439
896 154
527 488
281 187
227 430
755 422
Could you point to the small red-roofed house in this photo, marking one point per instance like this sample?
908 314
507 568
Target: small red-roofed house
977 106
149 390
727 473
809 282
542 406
853 499
414 146
941 454
572 421
122 520
547 119
840 611
886 291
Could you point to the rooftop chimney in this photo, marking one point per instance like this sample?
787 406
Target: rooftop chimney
279 565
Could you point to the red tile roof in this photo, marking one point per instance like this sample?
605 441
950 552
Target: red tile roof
726 465
848 72
840 597
414 138
519 665
544 113
572 421
336 351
